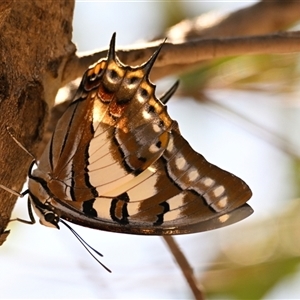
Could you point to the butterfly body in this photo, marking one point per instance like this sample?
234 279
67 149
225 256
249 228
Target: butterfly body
117 162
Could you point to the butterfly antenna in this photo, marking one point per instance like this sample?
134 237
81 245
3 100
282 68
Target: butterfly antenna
86 245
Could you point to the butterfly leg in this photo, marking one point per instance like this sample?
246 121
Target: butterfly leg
12 134
21 195
31 216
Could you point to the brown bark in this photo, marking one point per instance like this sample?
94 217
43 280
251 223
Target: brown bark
32 63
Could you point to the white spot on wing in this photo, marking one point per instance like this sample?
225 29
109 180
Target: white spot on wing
153 148
170 146
219 191
193 175
224 218
156 128
152 169
180 162
222 203
146 115
140 99
208 182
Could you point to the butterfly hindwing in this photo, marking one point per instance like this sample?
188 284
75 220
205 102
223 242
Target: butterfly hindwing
190 197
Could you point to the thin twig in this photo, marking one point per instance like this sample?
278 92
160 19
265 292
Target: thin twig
185 267
260 18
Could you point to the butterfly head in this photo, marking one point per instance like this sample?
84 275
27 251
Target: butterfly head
46 212
49 216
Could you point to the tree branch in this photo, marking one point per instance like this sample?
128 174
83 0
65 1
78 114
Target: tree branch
180 57
182 54
192 41
259 19
184 267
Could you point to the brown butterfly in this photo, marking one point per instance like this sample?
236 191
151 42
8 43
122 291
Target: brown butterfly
117 162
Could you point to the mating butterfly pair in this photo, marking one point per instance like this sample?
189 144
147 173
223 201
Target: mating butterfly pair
117 162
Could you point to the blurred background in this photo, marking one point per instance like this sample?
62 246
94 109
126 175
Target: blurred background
242 114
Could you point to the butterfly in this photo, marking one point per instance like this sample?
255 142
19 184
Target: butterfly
118 162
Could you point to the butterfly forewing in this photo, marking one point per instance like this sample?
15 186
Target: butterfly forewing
118 162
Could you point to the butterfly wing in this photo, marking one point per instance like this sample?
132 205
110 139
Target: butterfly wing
118 162
173 196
